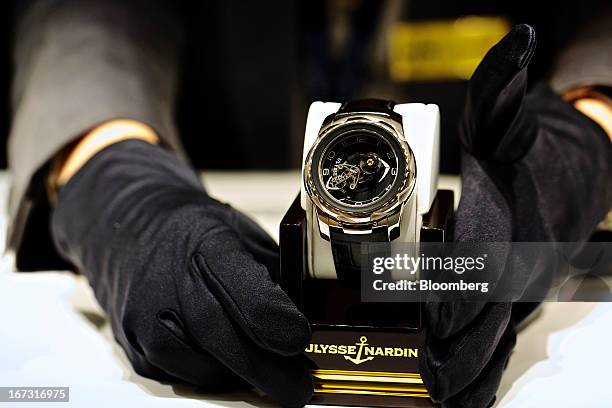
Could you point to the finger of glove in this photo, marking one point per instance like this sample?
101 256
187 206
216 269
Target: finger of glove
139 361
445 319
481 392
495 96
174 350
449 365
244 289
256 241
158 347
284 378
482 216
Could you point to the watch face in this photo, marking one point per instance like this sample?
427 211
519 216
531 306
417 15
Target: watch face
359 168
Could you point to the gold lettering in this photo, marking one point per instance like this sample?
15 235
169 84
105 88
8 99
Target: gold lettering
344 349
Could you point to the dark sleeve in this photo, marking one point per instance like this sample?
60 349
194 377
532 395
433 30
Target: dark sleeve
588 59
79 63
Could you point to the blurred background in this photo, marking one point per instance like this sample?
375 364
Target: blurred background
251 69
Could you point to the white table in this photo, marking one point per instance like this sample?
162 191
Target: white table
53 333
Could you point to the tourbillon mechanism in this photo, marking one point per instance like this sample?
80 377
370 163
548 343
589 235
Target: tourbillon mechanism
369 173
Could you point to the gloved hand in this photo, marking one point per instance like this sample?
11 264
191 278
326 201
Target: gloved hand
185 279
535 169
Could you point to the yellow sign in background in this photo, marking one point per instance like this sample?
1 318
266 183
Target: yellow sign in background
441 50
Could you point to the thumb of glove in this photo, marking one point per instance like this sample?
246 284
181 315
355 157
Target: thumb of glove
495 126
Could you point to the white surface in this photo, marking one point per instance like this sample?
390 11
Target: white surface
54 334
320 261
421 125
317 113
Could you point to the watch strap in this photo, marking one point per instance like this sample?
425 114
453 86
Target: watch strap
347 251
370 106
367 105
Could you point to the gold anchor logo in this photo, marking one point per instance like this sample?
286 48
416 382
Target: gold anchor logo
358 360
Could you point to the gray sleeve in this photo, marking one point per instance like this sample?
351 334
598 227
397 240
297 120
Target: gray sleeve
588 59
79 63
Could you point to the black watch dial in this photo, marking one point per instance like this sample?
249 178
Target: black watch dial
359 169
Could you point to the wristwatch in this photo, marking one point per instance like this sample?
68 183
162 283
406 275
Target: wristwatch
370 172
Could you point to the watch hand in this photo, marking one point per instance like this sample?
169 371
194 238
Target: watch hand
387 167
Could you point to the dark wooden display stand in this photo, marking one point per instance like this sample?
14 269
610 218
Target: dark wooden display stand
375 358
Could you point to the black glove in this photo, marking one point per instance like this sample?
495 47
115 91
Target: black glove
535 169
185 280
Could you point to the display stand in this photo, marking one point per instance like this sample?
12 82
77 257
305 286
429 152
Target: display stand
361 353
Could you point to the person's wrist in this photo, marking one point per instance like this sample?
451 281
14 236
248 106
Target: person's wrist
98 138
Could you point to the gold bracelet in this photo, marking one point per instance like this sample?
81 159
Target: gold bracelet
594 104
